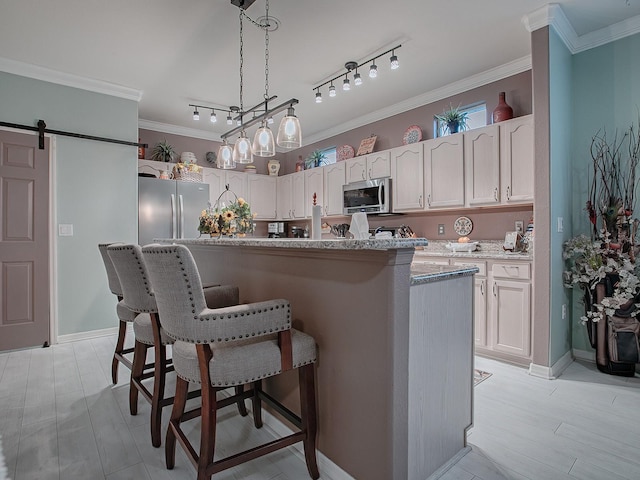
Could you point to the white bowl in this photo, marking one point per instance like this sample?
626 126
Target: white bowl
462 247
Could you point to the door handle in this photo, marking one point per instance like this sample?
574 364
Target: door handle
174 219
181 208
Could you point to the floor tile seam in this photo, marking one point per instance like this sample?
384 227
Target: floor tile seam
499 467
617 474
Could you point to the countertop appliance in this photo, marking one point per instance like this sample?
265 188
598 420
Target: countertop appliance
299 232
370 197
276 230
169 208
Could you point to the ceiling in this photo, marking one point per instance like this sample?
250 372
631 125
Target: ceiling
187 51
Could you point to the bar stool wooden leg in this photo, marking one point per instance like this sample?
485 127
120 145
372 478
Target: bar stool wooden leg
179 403
306 375
242 408
122 330
257 403
139 359
208 413
159 376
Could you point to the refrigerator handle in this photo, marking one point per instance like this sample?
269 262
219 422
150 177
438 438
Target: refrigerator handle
181 208
174 219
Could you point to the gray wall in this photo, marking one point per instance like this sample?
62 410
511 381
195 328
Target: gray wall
95 188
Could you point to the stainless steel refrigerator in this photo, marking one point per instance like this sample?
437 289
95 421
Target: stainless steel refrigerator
169 208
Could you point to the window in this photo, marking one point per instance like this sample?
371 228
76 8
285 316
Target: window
476 117
329 155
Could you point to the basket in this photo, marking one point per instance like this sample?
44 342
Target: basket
187 175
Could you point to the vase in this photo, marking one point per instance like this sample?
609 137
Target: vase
503 111
274 167
453 127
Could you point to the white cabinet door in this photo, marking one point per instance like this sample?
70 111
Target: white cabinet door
262 196
215 178
356 169
313 183
297 195
284 195
407 172
516 160
378 165
334 177
482 163
237 182
511 317
444 172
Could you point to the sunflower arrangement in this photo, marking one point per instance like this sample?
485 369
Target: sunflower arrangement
230 220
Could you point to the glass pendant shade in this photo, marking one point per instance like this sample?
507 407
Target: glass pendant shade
242 149
289 132
394 62
263 143
318 97
357 79
196 114
225 157
373 71
332 91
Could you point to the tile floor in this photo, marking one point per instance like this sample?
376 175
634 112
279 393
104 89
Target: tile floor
60 418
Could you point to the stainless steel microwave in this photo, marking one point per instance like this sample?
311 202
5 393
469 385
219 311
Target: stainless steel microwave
371 197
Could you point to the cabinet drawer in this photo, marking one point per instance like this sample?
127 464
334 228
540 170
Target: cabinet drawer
430 261
482 265
520 271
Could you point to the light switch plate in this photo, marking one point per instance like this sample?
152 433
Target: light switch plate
519 226
65 230
441 229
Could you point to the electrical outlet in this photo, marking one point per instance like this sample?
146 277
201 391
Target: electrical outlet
560 224
519 226
441 229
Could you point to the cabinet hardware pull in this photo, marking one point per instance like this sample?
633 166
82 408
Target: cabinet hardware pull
363 177
494 289
429 199
495 193
369 174
508 193
420 200
482 289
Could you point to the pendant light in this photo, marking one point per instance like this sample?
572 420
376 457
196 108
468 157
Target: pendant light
242 149
225 156
263 143
289 132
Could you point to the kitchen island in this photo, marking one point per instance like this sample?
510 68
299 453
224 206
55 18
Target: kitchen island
395 345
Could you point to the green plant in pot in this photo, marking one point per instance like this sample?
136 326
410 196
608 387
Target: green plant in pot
163 152
315 159
454 119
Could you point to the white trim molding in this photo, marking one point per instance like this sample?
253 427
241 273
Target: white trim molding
553 15
586 355
553 372
74 337
177 130
69 80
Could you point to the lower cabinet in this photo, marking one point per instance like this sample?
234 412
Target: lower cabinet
502 305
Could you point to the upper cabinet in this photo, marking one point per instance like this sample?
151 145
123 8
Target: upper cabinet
408 182
298 195
284 193
237 182
516 160
313 184
334 178
444 172
262 196
482 164
374 165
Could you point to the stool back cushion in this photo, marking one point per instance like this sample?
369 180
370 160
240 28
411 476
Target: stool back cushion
132 272
112 275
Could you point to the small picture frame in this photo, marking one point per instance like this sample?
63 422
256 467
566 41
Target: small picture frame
366 145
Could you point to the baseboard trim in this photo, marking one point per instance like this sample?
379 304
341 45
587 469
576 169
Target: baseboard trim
586 355
553 372
74 337
328 469
452 461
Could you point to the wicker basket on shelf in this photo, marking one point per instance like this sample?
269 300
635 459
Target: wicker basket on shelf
187 173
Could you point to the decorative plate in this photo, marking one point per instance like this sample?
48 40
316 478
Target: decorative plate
211 157
463 226
345 152
413 134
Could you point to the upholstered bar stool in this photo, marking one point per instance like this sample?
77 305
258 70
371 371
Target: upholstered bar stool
138 297
125 316
232 346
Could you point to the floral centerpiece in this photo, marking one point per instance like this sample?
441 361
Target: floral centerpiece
229 220
609 254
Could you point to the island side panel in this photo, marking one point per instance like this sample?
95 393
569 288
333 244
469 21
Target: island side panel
353 303
440 387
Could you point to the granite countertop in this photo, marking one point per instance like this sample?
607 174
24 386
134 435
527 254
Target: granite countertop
489 249
421 274
325 244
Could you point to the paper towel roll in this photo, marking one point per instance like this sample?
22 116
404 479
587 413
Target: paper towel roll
359 226
316 222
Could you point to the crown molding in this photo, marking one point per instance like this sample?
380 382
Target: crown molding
178 130
69 80
512 68
553 15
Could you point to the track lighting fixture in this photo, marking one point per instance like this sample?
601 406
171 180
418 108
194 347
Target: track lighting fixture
357 78
196 114
214 118
229 119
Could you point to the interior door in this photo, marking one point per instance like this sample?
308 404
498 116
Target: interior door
24 241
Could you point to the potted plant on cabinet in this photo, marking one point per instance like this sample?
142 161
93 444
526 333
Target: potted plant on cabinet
163 152
453 119
315 159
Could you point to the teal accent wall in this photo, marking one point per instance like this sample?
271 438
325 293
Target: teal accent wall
560 82
95 188
606 95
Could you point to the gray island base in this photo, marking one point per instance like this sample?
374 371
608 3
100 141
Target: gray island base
395 346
